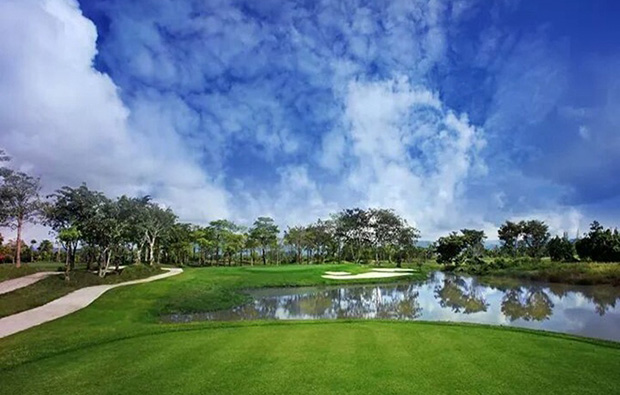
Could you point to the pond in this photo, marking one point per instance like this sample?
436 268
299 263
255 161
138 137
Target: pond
582 310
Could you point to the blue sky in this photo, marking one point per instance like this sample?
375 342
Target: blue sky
460 113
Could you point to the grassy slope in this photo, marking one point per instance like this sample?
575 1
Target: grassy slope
53 287
117 346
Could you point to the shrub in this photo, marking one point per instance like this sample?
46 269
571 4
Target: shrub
561 249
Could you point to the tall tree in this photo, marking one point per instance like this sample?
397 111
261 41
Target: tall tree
221 231
561 249
19 203
73 208
474 242
509 233
535 236
406 239
450 248
265 232
354 230
295 237
69 238
154 224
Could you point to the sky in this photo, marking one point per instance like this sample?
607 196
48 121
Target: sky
455 113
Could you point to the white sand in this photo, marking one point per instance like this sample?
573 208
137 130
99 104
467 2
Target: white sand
66 305
396 270
365 275
21 282
337 273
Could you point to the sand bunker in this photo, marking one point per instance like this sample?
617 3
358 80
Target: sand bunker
396 270
337 273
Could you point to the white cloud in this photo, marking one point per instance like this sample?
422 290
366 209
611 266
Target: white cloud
411 153
584 132
561 220
65 121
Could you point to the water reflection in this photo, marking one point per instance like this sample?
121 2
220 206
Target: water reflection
528 304
456 294
585 310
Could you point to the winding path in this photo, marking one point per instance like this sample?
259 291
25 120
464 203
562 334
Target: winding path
66 305
24 281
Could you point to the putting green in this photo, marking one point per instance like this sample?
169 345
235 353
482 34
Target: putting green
333 357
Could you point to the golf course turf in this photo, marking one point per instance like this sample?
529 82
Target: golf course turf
118 345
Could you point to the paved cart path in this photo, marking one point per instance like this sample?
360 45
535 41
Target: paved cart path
66 305
24 281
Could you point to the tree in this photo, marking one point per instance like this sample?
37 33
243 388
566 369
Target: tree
354 230
509 233
73 207
46 250
221 231
155 222
178 243
105 232
600 244
474 242
295 237
33 243
251 244
449 248
530 236
69 238
265 232
405 242
385 225
19 203
561 249
535 236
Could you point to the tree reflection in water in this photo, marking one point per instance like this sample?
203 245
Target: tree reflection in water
527 303
512 301
457 295
397 302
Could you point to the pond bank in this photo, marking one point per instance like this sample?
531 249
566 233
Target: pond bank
577 273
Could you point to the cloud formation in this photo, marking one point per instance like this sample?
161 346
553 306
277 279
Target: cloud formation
65 121
444 110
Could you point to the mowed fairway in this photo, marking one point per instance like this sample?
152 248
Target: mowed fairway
116 347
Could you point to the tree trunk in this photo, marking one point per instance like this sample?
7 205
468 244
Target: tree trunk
67 266
264 257
107 256
138 257
151 252
72 253
18 255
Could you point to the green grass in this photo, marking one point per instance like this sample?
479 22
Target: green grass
53 287
117 345
9 271
578 273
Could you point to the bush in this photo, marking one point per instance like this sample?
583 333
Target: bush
561 249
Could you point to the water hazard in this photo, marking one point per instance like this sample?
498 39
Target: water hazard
591 311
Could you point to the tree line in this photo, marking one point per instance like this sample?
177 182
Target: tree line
530 239
102 232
